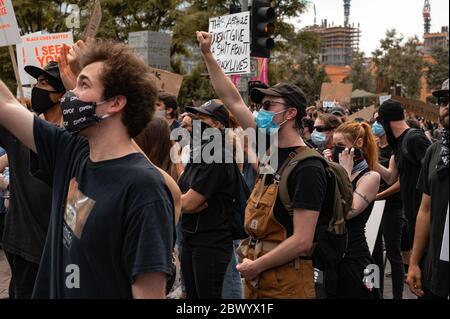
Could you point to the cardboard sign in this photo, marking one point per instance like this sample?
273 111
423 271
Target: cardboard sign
428 111
153 47
94 21
373 224
39 50
231 42
444 247
9 30
167 82
341 92
365 113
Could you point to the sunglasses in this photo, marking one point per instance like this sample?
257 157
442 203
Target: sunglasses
322 129
443 101
267 104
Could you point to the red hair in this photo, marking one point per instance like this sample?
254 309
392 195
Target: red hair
353 131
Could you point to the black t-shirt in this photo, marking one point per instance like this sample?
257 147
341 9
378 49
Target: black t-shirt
394 201
435 273
111 220
416 145
307 187
210 227
30 204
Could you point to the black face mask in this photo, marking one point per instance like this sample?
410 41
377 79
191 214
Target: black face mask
77 114
41 101
358 156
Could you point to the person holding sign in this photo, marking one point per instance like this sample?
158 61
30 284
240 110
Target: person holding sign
281 240
27 222
111 232
428 278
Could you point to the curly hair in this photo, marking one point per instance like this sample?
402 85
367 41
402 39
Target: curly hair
125 74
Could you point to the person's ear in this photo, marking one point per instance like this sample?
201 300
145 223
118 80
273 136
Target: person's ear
119 104
55 97
291 114
359 143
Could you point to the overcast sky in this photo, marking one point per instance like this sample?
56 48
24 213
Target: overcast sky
377 16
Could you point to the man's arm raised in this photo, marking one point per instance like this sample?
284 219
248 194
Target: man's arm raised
225 89
15 118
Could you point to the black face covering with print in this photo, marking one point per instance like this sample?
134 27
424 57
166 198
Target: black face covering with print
77 114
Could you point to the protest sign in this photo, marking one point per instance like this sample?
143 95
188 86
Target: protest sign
231 42
9 30
167 82
373 224
94 21
39 50
339 92
384 98
328 104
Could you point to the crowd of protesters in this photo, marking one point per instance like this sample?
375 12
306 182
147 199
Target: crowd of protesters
110 189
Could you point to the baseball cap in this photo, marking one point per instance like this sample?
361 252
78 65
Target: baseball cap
51 71
338 111
291 93
213 109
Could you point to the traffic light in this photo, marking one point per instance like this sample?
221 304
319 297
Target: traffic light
263 27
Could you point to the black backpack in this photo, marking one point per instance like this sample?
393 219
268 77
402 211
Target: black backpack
241 193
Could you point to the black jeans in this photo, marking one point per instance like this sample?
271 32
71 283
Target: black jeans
391 230
204 270
23 276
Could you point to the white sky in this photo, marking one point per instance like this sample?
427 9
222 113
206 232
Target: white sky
377 16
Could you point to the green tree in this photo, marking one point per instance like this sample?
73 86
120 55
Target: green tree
360 76
437 70
399 63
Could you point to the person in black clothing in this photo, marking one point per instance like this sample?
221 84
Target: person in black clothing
112 224
283 107
392 221
430 279
409 147
28 216
207 189
356 151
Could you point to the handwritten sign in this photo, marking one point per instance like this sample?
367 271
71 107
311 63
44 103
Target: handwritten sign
231 42
39 50
166 81
384 98
9 31
328 104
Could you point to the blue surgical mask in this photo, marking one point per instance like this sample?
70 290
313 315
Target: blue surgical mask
378 130
264 121
320 139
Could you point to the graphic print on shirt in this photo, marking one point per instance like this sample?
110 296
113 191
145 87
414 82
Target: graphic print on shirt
77 211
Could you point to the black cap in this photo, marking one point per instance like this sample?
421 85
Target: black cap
443 91
391 110
51 71
338 111
213 109
291 93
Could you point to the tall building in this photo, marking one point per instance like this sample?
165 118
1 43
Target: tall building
438 39
338 43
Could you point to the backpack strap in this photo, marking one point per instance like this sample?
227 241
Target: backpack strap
301 154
